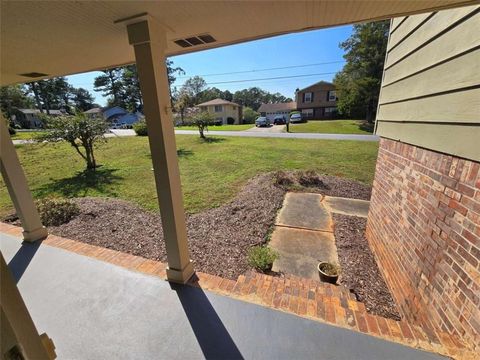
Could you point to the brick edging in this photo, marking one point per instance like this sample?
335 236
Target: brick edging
303 297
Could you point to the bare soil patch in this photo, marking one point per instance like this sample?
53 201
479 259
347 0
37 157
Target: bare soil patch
360 272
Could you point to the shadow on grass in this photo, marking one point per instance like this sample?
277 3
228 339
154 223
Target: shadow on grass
366 126
79 185
182 152
212 140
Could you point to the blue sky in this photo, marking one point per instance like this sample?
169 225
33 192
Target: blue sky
304 48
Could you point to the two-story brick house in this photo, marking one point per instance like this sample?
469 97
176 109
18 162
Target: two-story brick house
317 101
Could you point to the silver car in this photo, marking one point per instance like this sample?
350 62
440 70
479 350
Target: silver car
262 121
294 118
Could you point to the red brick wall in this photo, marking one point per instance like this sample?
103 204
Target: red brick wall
424 228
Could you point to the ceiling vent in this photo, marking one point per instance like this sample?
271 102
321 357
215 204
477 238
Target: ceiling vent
195 40
33 74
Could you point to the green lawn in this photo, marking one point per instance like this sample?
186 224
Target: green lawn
219 128
331 127
25 135
211 172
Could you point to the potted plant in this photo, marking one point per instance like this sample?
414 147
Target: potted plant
328 272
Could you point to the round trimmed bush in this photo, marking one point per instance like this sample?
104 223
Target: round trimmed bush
55 212
140 128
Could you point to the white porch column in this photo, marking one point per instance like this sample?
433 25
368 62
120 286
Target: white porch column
18 188
149 42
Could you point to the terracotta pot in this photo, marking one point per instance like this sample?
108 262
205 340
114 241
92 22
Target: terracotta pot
332 279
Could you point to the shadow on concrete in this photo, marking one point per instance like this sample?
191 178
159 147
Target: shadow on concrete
211 334
22 258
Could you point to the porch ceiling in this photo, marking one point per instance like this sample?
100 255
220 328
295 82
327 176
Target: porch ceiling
61 38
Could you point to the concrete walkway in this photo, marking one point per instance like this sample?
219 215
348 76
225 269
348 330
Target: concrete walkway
303 234
95 310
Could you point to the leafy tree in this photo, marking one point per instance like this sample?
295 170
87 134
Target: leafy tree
51 94
193 87
202 120
249 115
358 84
254 97
131 89
13 97
80 131
82 99
110 84
182 103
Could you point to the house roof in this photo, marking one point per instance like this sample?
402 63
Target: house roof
218 102
321 82
278 107
65 46
94 111
36 111
116 110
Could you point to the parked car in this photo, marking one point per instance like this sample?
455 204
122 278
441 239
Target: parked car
296 118
262 121
279 120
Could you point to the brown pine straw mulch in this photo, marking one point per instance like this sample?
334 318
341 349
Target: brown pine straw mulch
360 272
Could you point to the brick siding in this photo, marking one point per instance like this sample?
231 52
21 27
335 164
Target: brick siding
424 228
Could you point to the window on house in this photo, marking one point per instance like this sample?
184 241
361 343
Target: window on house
332 96
218 108
307 113
234 107
330 110
307 97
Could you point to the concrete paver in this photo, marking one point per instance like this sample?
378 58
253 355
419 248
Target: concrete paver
301 250
304 210
353 207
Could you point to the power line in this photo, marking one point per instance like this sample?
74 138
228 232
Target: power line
271 78
266 69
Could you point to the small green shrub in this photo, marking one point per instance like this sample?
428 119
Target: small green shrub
11 130
140 128
262 257
230 121
54 212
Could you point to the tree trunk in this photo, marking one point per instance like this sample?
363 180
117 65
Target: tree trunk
202 136
37 97
90 158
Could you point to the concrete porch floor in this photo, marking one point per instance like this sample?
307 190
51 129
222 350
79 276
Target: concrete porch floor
94 310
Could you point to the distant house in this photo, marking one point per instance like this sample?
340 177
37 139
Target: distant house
224 111
317 101
116 115
29 119
272 110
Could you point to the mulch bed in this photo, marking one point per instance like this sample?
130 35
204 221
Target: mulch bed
219 238
360 272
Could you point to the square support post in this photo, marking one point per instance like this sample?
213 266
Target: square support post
149 42
17 186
